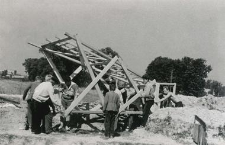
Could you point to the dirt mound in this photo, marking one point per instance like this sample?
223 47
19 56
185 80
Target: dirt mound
210 102
177 123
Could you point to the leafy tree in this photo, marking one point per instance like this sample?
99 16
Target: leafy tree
109 51
216 88
41 67
188 73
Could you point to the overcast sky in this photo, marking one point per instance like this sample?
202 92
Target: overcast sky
138 30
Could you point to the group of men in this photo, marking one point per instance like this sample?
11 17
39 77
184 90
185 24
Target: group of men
41 98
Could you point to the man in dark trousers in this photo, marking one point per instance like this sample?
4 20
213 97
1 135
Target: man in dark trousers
31 87
149 96
43 98
110 108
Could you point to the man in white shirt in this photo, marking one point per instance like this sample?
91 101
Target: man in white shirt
148 94
42 98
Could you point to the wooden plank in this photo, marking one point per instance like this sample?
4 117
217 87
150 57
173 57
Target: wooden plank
89 87
122 108
128 75
101 112
70 50
58 41
66 57
84 57
157 94
53 67
58 52
195 135
77 71
169 84
121 79
201 122
94 54
174 88
99 63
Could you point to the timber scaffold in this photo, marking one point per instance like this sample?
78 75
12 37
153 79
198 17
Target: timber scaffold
89 58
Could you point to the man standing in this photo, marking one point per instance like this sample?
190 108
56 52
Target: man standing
118 89
110 108
149 96
68 95
40 109
31 87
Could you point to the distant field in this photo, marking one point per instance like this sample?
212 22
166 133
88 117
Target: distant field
12 87
16 87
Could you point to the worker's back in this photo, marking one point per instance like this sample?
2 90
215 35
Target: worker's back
111 101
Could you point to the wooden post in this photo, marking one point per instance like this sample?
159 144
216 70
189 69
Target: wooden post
91 85
174 89
88 115
157 93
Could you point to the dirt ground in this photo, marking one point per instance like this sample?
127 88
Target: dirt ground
12 119
168 126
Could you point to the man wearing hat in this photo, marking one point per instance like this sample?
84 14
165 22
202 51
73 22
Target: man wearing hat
148 94
43 94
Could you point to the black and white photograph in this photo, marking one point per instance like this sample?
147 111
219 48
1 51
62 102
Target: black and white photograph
112 72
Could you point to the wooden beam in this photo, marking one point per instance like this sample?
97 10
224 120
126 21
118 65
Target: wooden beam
157 87
128 75
58 41
77 71
101 112
51 64
85 59
174 88
66 57
121 79
123 107
99 63
89 87
53 67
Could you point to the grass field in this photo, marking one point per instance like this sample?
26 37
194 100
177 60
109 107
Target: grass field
12 87
16 87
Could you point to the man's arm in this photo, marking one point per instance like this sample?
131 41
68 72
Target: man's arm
52 97
26 91
105 102
76 89
118 101
146 91
166 97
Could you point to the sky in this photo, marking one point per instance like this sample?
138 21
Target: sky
139 30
